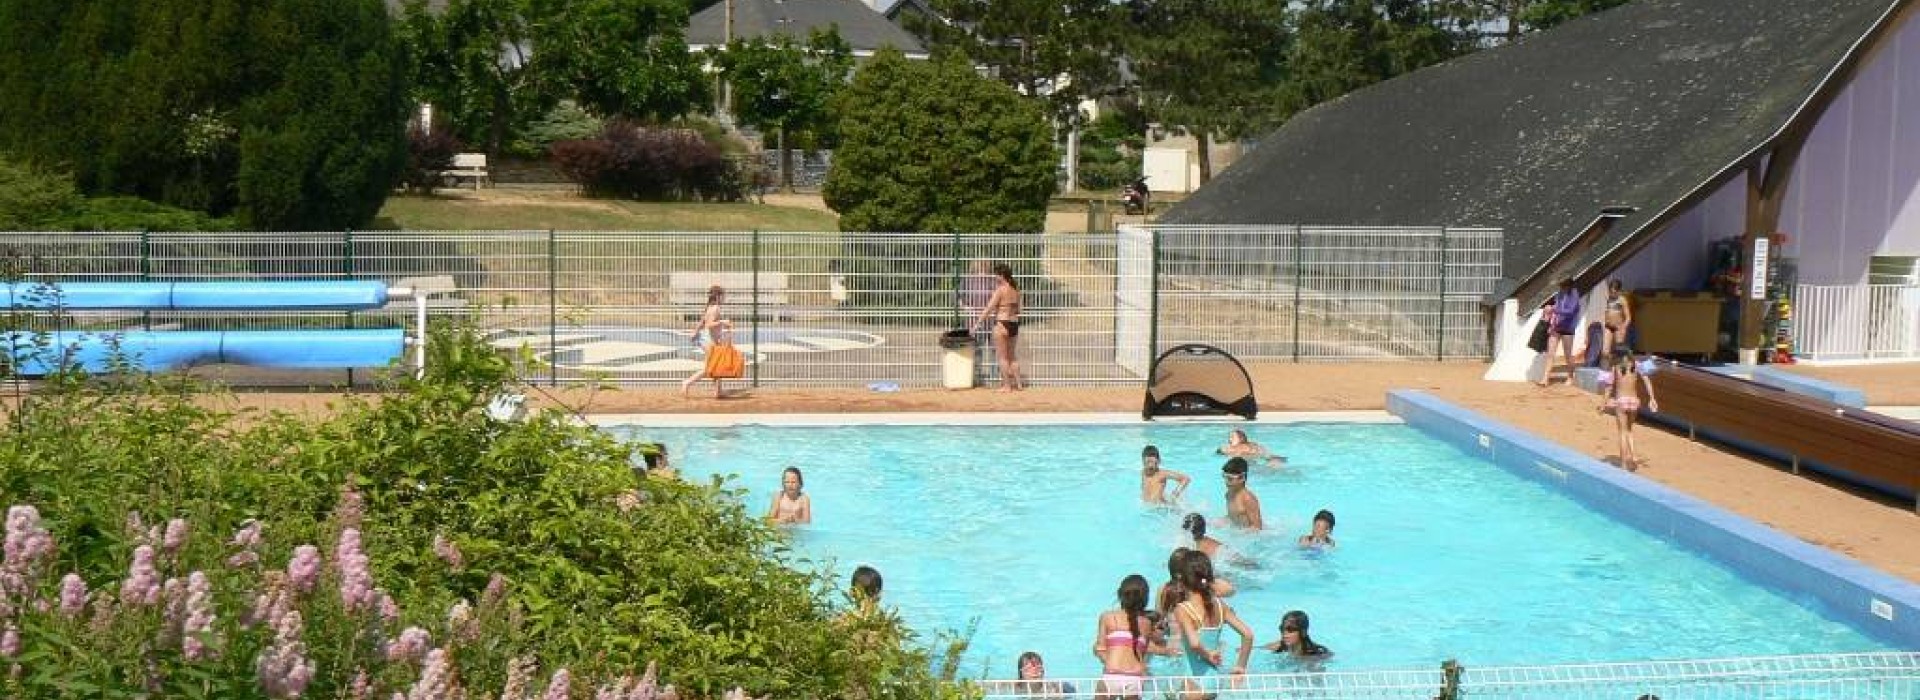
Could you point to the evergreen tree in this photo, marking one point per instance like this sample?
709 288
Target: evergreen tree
1342 45
1208 67
1060 51
932 146
290 114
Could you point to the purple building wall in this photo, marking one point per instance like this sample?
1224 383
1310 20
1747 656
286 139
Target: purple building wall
1855 193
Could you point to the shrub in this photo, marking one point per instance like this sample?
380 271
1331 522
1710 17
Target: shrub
34 200
644 163
428 153
604 570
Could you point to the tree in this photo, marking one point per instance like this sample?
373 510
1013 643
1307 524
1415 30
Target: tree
785 87
1342 45
618 58
1058 51
470 62
290 114
932 146
1479 21
1208 67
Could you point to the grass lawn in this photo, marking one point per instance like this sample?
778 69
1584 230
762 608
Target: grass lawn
525 210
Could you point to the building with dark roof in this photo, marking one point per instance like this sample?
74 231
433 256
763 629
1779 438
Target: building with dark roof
1698 120
864 29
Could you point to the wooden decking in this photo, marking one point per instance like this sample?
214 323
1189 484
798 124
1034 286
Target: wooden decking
1857 446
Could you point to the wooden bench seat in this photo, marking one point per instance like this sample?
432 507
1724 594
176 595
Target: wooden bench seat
1847 443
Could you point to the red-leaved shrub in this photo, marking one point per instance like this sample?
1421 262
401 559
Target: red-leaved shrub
638 162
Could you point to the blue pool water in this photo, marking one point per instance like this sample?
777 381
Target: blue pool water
1027 531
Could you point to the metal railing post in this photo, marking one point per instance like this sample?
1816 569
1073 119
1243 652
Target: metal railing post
1441 340
146 273
756 307
1299 280
1153 300
553 309
346 270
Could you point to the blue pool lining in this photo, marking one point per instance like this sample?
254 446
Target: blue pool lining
1860 595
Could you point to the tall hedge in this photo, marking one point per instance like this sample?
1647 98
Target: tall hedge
289 113
933 146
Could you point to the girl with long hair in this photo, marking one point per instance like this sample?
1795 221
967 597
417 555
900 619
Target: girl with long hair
1200 618
723 359
1004 307
1123 640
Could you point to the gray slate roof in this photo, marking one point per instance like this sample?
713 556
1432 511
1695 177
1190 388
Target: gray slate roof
1644 105
860 26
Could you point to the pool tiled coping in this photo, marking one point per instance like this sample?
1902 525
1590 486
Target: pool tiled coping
1881 605
715 420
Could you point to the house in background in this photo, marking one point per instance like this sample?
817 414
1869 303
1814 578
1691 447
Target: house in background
864 29
1668 143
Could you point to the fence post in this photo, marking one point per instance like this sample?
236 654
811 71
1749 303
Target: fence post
553 309
146 273
756 306
1449 680
346 269
1441 342
953 266
1299 279
1153 300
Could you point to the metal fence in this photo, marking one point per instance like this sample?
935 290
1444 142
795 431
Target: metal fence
1856 322
847 308
1879 676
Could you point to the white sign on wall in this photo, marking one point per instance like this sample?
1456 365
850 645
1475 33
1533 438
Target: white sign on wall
1759 282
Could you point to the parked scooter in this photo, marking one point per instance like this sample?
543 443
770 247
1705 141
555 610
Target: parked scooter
1133 197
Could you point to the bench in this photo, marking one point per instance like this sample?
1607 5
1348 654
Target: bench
467 165
688 290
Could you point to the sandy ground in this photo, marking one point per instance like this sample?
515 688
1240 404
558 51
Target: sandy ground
1874 530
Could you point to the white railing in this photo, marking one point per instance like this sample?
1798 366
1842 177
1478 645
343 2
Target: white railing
1856 322
1889 675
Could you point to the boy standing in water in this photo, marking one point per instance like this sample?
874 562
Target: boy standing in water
1243 508
1153 479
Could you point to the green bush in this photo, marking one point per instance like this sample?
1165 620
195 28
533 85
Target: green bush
606 570
33 200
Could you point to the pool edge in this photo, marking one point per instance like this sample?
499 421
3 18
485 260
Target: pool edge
717 420
1851 589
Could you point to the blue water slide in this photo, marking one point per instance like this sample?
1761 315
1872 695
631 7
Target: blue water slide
343 295
94 351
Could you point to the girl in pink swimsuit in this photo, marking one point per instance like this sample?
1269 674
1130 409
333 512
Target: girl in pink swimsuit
1623 396
1125 640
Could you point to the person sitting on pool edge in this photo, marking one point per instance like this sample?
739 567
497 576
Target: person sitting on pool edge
791 506
1239 446
1322 535
1243 508
1294 639
1153 479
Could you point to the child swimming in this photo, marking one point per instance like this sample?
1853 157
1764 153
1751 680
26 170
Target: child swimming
1322 535
791 506
1153 479
1239 446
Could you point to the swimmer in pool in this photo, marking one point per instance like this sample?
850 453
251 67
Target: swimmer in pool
1322 535
1243 508
1196 525
791 506
1153 479
1239 446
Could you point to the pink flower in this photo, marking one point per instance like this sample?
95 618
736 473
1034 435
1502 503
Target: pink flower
627 501
436 679
411 645
461 624
560 687
283 667
73 595
350 508
645 687
303 571
173 594
176 536
389 610
271 603
519 676
356 580
198 626
10 642
142 586
240 559
362 687
26 545
445 549
495 592
248 536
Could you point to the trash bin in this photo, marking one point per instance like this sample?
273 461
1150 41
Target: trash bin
956 363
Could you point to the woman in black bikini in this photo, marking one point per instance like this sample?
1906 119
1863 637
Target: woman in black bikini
1004 308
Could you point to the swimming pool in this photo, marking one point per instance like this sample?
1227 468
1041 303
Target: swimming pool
1028 530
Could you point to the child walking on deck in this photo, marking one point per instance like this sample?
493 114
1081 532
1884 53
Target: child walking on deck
1623 396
